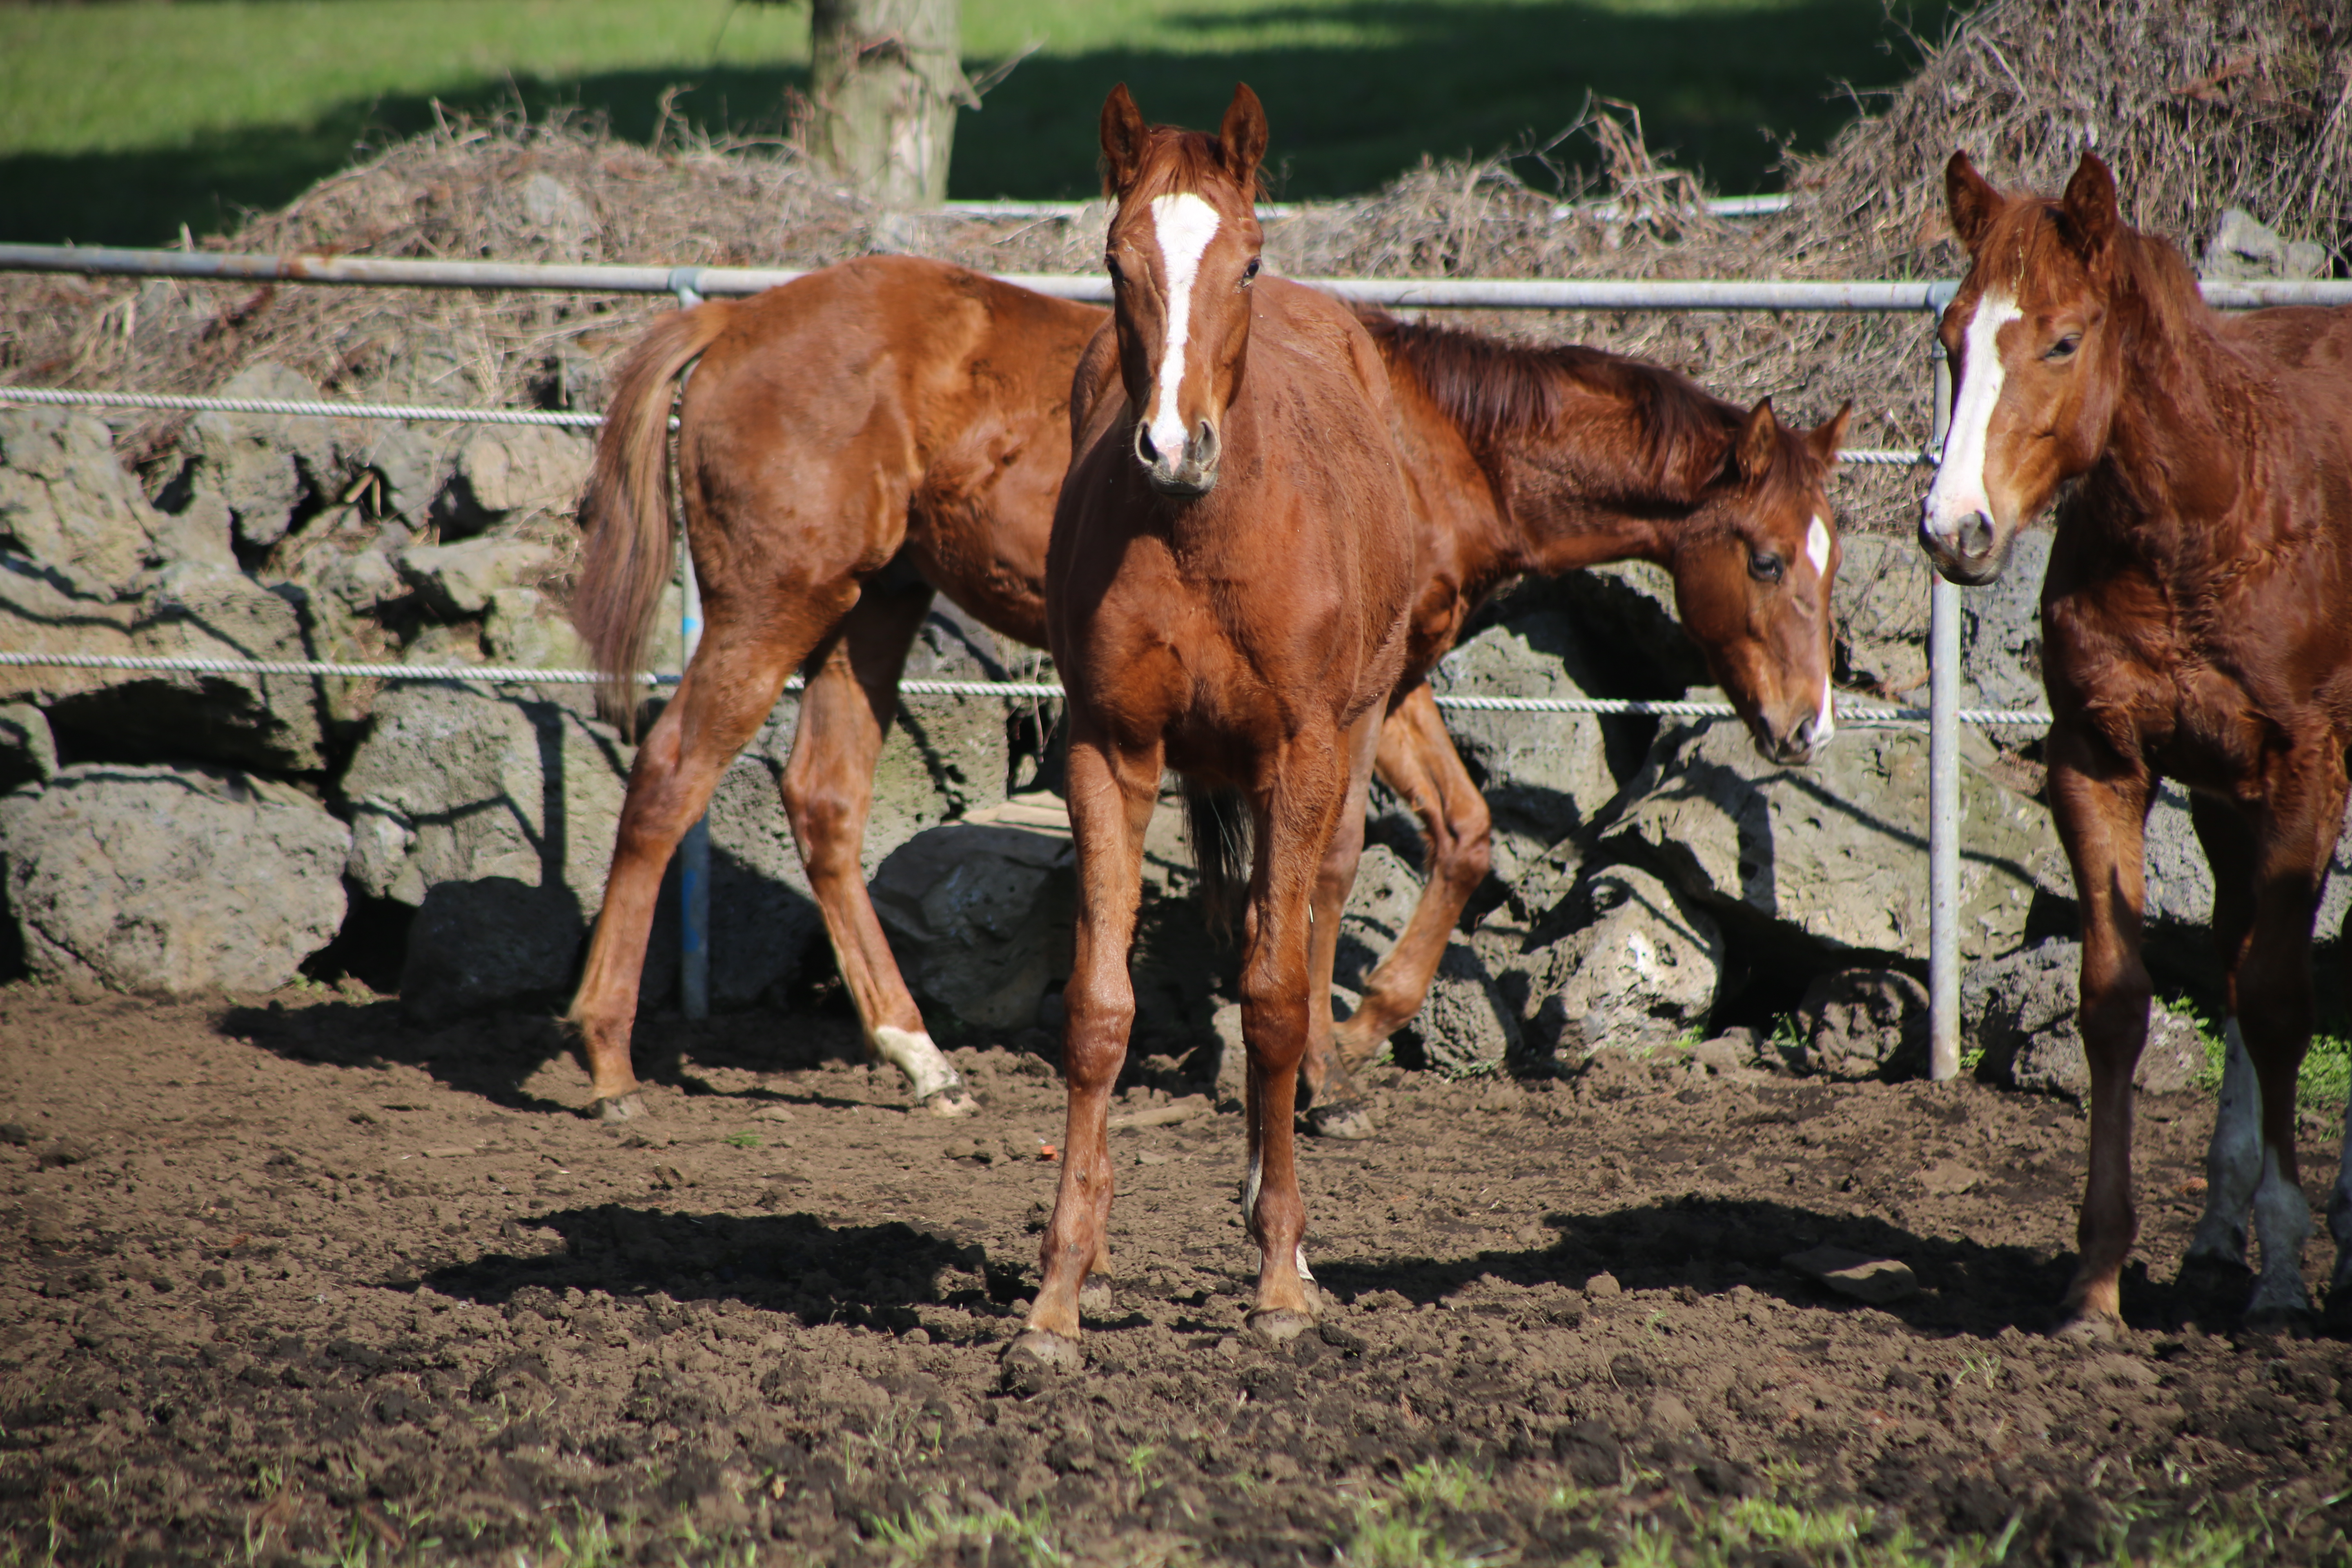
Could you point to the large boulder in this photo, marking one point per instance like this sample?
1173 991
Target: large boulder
66 503
1639 965
1831 858
1546 775
28 752
1865 1022
2021 1014
507 471
256 474
978 914
458 579
188 610
1467 1024
170 879
1881 609
2001 629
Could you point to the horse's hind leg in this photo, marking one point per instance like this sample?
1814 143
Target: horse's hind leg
728 693
1417 760
1334 1110
828 789
2233 1160
1112 797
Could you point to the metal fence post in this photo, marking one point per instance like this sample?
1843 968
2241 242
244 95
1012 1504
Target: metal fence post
1943 781
694 850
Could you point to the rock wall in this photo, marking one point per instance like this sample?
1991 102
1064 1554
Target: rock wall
1650 882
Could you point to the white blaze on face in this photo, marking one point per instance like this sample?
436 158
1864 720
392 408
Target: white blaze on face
1959 487
1184 225
1817 546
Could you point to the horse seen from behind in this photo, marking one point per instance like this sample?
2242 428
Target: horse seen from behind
2196 625
1227 587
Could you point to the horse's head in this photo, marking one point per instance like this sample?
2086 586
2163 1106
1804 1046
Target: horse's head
1182 249
2033 350
1752 580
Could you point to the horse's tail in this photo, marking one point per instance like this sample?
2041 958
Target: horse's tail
1218 827
625 508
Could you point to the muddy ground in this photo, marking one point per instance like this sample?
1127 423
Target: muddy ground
286 1278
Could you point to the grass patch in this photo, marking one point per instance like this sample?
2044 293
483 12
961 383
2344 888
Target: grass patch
923 1534
121 122
2322 1085
747 1139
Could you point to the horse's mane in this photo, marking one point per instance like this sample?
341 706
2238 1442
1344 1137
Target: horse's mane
1491 389
1176 161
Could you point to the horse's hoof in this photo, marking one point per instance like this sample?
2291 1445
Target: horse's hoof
1095 1298
2285 1322
1349 1120
1038 1359
619 1107
2090 1327
953 1100
1279 1326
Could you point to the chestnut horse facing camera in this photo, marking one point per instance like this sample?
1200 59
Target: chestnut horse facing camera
2196 625
1227 593
854 441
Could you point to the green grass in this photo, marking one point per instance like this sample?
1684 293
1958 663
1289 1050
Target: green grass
119 123
2325 1079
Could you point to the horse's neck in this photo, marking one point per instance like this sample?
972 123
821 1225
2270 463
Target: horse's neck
1579 509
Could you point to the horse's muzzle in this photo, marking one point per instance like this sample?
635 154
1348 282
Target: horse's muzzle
1970 553
1191 470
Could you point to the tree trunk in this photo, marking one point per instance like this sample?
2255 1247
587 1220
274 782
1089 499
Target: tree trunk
886 81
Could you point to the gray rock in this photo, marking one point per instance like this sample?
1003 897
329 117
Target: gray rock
1626 609
1831 858
1466 1025
485 943
978 914
66 502
1640 967
505 470
1865 1023
28 752
1545 776
190 609
1379 905
252 473
2243 248
458 579
1881 607
2021 1013
525 627
362 582
2001 629
944 757
170 879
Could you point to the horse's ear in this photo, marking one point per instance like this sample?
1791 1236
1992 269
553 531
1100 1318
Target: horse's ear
1971 199
1825 439
1758 444
2086 214
1123 135
1241 135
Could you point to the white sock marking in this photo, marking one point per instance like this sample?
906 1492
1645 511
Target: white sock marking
1817 546
1184 225
2282 1221
913 1054
2233 1159
1959 485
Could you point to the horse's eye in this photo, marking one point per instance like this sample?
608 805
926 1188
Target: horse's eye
1765 566
2064 349
1116 275
1249 271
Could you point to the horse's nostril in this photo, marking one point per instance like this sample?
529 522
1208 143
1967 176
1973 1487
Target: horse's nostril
1976 534
1207 447
1145 452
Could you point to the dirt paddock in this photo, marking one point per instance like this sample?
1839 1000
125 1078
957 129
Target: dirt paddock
287 1279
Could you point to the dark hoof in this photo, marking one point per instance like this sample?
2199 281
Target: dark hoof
1037 1359
2282 1323
626 1107
953 1100
1349 1120
1278 1326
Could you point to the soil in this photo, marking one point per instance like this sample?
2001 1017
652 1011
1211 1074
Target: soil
288 1277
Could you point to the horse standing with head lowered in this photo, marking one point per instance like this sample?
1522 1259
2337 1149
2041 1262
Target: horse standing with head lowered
2196 625
1227 592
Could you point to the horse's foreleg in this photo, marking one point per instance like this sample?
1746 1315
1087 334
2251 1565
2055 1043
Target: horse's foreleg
2233 1159
1418 761
828 789
2304 812
1333 1109
1298 810
727 694
2102 818
1111 797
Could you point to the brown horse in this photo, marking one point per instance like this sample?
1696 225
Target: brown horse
2196 625
891 410
1227 593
